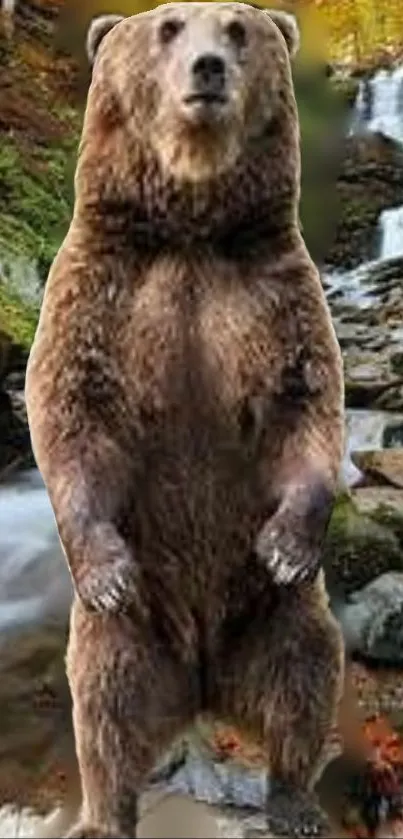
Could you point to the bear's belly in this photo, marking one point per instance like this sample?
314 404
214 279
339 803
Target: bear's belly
198 505
201 490
198 370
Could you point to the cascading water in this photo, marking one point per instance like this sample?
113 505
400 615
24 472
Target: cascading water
391 224
379 105
379 108
34 581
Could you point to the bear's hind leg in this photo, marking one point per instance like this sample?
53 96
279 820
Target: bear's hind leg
281 683
130 700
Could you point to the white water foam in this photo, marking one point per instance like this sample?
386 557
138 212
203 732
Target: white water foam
34 579
391 224
379 105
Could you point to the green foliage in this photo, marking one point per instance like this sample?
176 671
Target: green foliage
322 111
18 320
36 198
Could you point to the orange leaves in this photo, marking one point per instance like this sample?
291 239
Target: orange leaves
385 741
384 781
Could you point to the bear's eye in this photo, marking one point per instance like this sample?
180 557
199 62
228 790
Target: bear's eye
237 33
169 29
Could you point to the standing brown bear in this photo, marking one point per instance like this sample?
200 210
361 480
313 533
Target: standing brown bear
185 399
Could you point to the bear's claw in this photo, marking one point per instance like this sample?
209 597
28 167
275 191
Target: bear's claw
288 559
292 813
109 579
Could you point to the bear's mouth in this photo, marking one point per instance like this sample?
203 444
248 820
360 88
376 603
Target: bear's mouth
205 98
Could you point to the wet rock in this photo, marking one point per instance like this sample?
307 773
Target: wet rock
396 362
371 429
238 824
234 789
366 393
384 504
391 399
367 310
223 783
381 466
15 445
358 548
372 620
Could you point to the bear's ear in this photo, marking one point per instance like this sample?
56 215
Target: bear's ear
98 28
288 27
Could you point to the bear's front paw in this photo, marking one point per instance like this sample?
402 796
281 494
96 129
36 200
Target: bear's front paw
290 542
110 579
289 556
293 813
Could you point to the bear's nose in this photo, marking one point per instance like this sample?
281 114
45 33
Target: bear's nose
209 73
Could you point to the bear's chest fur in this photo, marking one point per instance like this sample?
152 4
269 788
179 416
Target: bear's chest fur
200 340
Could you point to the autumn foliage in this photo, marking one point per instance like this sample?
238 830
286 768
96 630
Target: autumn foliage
355 31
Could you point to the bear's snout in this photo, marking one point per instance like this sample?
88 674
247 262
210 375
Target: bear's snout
208 76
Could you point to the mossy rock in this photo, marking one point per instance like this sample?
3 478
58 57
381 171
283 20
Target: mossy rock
359 547
391 519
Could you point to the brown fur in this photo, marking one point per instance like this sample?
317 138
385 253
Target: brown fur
185 400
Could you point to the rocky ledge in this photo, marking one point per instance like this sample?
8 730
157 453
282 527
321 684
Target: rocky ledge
367 310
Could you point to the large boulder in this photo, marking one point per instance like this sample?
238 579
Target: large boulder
360 545
372 621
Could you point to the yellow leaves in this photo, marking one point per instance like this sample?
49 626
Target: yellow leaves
352 30
314 33
362 30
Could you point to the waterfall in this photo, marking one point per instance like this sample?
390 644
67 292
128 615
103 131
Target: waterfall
379 105
391 225
379 108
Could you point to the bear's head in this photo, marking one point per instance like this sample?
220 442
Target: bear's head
191 116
